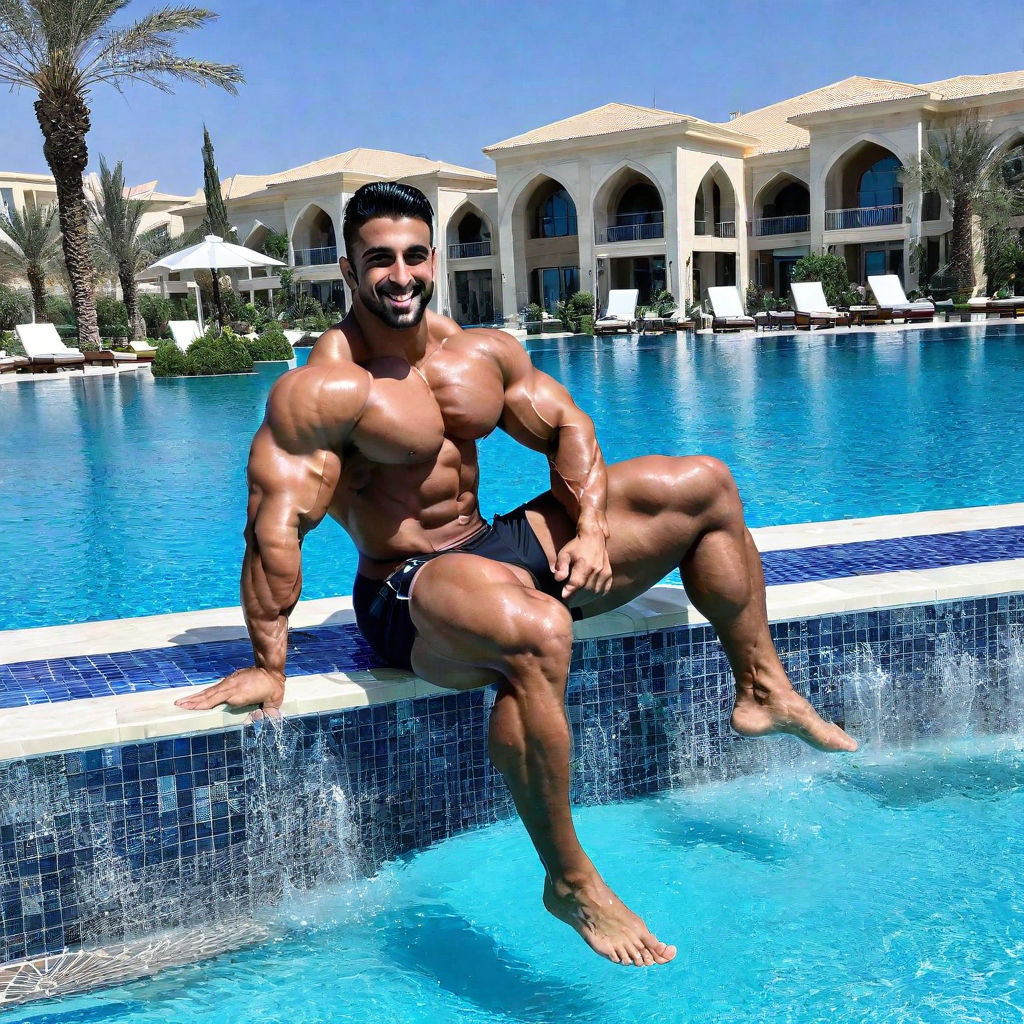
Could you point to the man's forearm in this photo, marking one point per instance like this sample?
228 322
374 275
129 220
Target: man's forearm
579 479
269 594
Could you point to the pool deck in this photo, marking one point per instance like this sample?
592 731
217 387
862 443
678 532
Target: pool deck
98 684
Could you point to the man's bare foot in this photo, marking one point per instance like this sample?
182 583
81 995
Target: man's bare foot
762 709
606 924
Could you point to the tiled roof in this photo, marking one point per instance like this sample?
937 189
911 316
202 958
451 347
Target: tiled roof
606 120
378 163
373 163
964 86
771 124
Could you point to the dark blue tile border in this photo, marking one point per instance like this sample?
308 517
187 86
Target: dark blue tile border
341 648
928 551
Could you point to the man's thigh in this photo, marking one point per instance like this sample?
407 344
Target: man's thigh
467 611
658 506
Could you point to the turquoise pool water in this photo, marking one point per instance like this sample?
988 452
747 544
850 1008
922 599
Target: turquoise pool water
125 495
882 888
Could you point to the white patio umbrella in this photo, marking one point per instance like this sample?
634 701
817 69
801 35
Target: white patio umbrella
214 254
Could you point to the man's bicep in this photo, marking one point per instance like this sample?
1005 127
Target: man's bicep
289 492
536 407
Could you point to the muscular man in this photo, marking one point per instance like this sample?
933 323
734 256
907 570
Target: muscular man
380 430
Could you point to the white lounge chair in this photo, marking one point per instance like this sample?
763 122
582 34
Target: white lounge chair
144 352
184 332
727 307
44 347
889 294
812 309
621 312
1010 307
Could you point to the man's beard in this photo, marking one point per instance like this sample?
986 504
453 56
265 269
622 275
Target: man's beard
385 312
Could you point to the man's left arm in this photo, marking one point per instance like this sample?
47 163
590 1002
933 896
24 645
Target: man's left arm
540 414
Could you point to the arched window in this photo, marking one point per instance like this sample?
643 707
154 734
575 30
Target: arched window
640 204
556 216
880 184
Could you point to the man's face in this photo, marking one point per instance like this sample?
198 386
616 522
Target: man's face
392 270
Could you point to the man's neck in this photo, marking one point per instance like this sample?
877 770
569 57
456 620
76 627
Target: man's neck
410 343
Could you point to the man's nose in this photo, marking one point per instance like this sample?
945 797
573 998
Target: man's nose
400 274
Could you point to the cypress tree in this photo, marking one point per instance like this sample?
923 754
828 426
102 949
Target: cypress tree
216 221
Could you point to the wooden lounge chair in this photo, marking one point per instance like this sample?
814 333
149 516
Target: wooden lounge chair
621 312
1009 308
781 319
727 308
184 332
144 352
11 364
812 310
889 294
46 351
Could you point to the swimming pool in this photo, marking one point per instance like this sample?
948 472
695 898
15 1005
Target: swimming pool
125 495
881 889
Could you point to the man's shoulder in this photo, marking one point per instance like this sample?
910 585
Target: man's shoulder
323 399
337 344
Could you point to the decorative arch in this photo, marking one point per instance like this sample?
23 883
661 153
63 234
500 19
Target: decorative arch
636 185
257 236
522 194
882 141
771 186
313 237
454 233
715 204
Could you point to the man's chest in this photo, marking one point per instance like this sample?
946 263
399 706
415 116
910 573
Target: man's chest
412 411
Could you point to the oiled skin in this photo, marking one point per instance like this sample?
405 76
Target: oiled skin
379 430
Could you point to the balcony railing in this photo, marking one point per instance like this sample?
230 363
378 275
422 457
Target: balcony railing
863 217
782 225
318 257
725 229
632 232
466 250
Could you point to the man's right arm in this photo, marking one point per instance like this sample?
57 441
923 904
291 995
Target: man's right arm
294 467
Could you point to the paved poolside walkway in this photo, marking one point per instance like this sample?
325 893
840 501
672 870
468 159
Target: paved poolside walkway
101 683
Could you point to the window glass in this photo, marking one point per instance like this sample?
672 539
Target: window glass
556 217
880 184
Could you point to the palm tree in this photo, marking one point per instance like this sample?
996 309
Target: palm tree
60 49
960 164
32 249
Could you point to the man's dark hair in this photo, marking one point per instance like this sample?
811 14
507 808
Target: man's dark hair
384 199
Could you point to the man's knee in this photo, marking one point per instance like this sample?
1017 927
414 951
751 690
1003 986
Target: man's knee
535 628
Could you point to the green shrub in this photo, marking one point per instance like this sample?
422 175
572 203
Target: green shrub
15 308
831 272
59 309
215 352
534 315
587 325
663 303
760 299
572 311
111 314
169 360
270 345
157 312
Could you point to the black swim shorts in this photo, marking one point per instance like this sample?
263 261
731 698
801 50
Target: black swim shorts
382 607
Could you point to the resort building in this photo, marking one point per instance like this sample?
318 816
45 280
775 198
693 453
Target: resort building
307 204
627 196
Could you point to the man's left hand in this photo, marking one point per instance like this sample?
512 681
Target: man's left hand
583 565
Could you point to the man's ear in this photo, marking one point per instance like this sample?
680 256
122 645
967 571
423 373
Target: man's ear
348 272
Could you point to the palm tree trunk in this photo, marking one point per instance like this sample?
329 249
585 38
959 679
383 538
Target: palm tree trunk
35 283
64 122
130 293
962 247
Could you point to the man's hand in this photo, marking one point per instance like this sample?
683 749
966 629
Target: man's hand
245 687
583 564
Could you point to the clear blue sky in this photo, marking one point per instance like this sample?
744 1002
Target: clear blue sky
445 78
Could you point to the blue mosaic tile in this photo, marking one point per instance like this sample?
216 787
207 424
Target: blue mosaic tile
930 551
342 648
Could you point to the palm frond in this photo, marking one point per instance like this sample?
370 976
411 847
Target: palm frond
32 239
145 52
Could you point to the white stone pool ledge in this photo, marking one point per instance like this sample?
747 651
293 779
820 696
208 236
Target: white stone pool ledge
107 721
